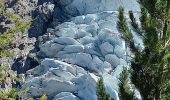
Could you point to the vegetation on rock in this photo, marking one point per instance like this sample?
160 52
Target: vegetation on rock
8 37
11 93
6 40
44 97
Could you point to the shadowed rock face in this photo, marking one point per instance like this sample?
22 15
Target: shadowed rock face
82 44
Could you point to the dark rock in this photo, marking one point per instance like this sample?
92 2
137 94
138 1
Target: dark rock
17 65
31 62
43 18
21 46
22 66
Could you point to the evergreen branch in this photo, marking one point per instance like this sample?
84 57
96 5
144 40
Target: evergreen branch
124 89
101 92
151 67
134 24
123 28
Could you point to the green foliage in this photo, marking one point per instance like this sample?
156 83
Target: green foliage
44 97
2 76
4 68
8 37
101 92
13 17
1 4
31 98
124 89
123 27
6 53
150 67
13 94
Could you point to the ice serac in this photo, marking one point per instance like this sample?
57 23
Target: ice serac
80 50
59 80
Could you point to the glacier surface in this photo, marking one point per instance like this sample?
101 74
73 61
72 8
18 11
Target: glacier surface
76 52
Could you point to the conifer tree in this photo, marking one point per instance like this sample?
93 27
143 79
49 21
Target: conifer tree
150 66
101 92
125 92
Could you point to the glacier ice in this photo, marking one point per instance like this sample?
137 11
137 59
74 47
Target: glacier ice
80 50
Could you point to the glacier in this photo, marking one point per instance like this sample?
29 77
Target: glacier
85 45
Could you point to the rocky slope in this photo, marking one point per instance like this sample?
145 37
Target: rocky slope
76 42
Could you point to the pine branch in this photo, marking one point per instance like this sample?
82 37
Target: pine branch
151 67
101 92
123 28
124 89
134 24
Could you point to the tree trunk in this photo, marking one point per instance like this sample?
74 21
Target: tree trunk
158 94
